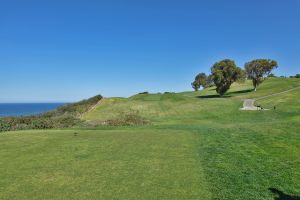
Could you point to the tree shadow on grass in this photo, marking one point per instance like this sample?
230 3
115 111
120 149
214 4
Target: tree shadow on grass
240 92
228 94
212 96
282 196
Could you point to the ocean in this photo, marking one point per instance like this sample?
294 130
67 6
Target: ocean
25 109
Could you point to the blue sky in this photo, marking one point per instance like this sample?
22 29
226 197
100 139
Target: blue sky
62 51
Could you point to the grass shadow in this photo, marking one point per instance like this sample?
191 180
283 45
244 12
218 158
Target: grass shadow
228 94
212 96
240 91
282 196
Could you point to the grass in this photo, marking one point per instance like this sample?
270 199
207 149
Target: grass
110 164
195 148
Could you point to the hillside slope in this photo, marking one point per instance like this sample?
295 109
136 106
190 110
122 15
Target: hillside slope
161 108
198 146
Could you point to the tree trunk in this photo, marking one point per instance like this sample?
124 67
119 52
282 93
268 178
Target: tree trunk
254 84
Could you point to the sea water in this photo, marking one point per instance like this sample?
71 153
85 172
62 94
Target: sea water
25 109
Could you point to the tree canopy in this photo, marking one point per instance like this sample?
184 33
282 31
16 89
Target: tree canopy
195 85
200 80
209 81
224 73
257 69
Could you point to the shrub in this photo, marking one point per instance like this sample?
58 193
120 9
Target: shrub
143 93
271 75
37 122
131 118
75 109
4 126
63 117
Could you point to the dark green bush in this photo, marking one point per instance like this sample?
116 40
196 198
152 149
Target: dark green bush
37 122
143 93
4 126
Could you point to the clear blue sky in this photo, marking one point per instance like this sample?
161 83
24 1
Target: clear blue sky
58 50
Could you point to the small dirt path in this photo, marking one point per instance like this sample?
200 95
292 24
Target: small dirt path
249 103
286 91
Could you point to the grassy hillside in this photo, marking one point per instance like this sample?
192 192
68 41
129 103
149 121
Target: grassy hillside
190 107
197 146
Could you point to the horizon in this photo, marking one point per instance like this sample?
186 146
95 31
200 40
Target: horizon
64 52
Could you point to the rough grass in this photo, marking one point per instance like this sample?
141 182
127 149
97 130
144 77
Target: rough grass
196 147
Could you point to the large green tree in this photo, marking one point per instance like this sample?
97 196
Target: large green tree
200 80
224 73
258 69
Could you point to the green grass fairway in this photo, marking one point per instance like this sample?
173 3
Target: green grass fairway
110 164
196 147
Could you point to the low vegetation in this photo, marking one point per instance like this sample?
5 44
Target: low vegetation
125 118
37 122
75 109
144 92
63 117
296 76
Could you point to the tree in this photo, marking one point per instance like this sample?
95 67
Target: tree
195 85
209 81
258 69
297 76
224 73
271 75
200 80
